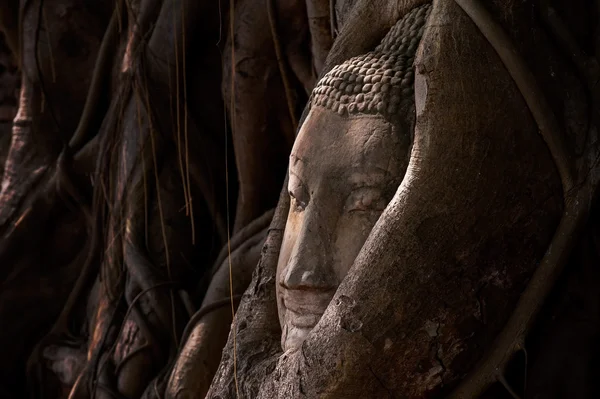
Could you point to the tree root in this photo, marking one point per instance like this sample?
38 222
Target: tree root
199 178
333 20
45 190
60 331
140 269
242 236
282 68
140 319
579 188
99 83
203 311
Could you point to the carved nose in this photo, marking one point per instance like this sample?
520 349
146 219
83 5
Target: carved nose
301 278
309 266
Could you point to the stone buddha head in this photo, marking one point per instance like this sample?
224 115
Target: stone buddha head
347 162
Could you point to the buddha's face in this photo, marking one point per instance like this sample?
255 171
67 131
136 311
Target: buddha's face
343 171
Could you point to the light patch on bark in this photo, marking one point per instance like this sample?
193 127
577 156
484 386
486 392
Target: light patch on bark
431 328
388 344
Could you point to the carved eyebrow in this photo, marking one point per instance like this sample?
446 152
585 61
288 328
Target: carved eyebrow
369 179
296 166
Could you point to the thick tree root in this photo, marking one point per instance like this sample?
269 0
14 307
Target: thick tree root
241 237
43 192
204 310
98 86
579 179
60 331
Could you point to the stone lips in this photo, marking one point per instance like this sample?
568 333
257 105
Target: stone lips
380 82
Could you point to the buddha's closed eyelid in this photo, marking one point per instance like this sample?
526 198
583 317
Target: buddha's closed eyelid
365 199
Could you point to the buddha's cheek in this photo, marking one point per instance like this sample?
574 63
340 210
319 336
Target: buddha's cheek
290 237
352 232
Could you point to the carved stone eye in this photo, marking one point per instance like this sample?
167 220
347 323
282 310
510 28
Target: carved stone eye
365 199
298 193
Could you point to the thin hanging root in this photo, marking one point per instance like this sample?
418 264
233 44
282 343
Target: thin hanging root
118 5
502 380
526 360
185 128
282 69
332 19
22 217
146 203
47 29
577 200
507 386
160 211
178 115
233 130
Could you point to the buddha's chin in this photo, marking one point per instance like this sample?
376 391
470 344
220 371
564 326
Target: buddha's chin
301 315
293 336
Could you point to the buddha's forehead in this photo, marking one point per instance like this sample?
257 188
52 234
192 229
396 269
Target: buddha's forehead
330 142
